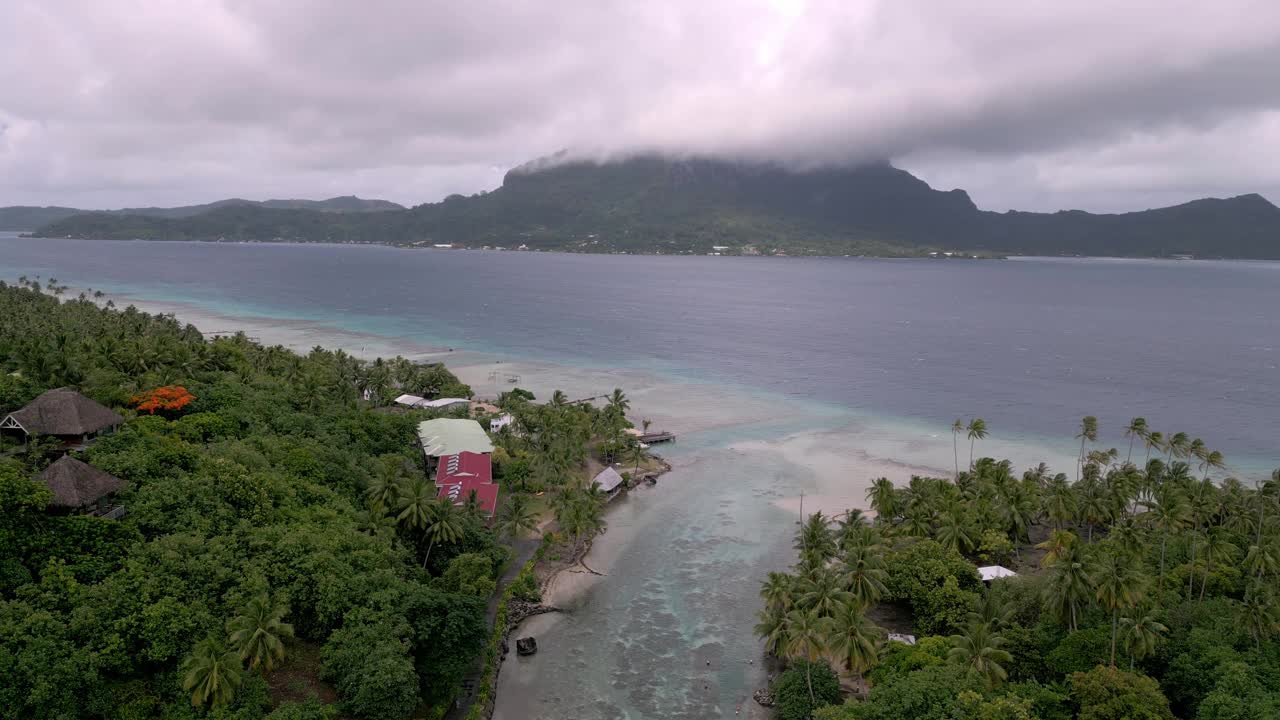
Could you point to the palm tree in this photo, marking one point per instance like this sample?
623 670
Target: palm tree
854 639
821 591
773 628
1060 500
1069 586
978 650
1217 543
806 638
1170 513
257 632
1153 439
1178 445
1259 613
1088 433
1203 495
1262 560
814 540
1137 428
1119 585
954 532
517 516
416 498
559 399
883 497
618 399
779 591
957 427
1142 632
1056 546
993 610
977 430
865 574
444 525
211 673
383 489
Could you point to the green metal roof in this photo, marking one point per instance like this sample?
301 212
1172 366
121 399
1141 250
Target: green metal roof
449 436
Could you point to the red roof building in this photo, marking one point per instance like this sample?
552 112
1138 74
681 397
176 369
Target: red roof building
464 466
459 492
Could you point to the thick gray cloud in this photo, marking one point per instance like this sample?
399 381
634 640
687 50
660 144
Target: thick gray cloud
1035 105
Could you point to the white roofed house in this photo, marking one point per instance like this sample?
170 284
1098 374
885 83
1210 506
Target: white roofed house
450 436
609 481
995 572
414 401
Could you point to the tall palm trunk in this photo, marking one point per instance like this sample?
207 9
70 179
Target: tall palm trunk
1164 538
1080 459
1208 568
1191 573
808 678
970 454
428 555
955 451
1115 619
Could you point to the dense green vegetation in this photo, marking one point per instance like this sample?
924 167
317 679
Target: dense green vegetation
25 217
1146 589
649 204
282 540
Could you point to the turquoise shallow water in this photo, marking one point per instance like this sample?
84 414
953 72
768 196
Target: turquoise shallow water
781 375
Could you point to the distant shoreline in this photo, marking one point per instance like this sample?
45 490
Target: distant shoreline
28 235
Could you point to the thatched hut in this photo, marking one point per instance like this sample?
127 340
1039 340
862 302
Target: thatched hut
65 414
79 487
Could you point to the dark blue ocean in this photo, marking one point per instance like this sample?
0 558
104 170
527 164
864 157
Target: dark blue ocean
788 380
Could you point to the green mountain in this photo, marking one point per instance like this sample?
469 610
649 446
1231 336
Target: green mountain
24 217
656 204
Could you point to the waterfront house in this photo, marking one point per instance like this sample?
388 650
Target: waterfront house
609 480
82 489
65 414
496 424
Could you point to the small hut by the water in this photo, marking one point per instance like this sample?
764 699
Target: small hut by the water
79 487
609 480
65 414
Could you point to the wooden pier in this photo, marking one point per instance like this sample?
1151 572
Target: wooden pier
657 437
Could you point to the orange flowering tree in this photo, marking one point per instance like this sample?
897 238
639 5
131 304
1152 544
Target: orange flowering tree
169 398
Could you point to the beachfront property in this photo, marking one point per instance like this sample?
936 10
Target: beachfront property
496 424
413 401
66 415
608 481
994 572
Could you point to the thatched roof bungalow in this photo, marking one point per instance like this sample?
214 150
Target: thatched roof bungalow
80 487
65 414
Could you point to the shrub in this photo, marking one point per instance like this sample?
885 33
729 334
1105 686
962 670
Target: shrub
1110 694
938 584
791 690
368 659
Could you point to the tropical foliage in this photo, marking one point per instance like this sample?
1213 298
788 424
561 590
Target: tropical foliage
1143 590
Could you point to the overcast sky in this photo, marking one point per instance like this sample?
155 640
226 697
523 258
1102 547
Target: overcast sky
1032 105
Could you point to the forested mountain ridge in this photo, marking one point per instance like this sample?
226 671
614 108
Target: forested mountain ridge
26 217
652 204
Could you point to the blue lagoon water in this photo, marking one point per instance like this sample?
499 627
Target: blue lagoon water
783 375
